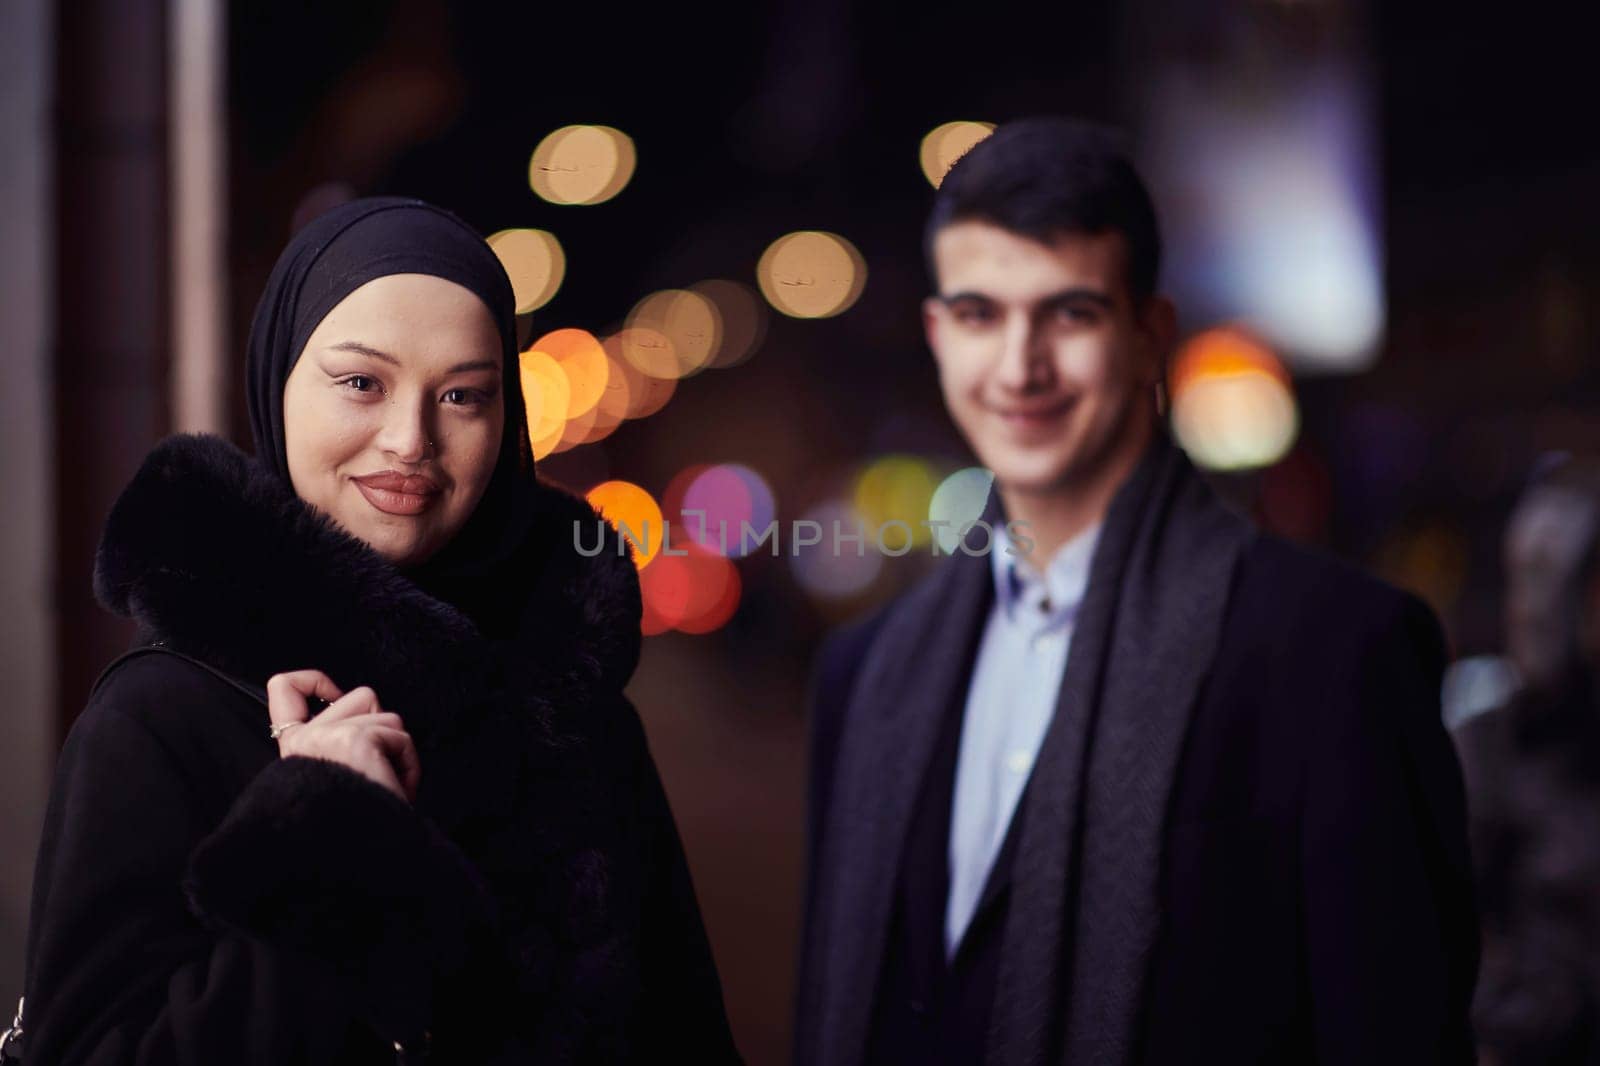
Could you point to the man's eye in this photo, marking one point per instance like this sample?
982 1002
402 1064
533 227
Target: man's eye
973 315
1076 316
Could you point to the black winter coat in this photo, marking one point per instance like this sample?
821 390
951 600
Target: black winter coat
199 899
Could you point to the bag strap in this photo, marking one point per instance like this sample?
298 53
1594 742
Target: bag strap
255 692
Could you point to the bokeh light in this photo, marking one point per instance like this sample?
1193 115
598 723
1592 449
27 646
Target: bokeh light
582 165
811 274
947 143
624 504
646 393
577 430
729 495
534 262
583 361
546 393
958 501
744 320
836 575
1233 404
714 591
688 323
696 592
612 407
896 488
677 489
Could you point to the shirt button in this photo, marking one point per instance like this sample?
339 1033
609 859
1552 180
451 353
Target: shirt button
1019 761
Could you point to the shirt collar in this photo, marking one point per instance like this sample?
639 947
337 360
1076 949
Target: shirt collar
1058 590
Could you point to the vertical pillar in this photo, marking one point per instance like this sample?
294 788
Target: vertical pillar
111 298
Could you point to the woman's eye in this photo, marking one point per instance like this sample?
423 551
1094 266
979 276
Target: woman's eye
468 397
359 382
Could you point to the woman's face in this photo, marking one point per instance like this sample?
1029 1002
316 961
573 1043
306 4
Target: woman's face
393 413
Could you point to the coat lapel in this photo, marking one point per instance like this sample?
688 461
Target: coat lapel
914 669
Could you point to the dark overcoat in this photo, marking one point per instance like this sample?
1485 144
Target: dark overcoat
200 900
1271 857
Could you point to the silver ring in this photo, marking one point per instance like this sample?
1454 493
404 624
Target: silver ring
281 728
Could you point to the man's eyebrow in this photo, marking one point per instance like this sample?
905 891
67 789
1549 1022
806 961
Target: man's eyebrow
368 350
957 297
1077 294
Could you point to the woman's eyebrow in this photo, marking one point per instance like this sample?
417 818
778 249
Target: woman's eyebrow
364 349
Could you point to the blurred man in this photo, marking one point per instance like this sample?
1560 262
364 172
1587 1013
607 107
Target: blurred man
1122 781
1533 776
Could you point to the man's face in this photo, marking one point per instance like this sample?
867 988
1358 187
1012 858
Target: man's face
1046 365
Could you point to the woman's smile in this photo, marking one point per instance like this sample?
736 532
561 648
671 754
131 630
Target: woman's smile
396 494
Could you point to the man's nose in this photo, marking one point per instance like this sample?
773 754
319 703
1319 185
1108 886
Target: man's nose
1022 354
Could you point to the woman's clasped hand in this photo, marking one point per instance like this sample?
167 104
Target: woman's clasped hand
353 730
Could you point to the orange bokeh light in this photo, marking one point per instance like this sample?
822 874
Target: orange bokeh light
583 360
1223 351
624 504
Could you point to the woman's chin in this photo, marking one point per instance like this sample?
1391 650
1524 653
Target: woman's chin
397 546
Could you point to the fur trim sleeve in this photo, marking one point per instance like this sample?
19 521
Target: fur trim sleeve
315 858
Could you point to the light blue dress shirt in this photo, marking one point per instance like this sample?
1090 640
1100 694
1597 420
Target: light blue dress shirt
1010 702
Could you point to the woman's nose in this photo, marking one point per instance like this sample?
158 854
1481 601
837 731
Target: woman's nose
406 435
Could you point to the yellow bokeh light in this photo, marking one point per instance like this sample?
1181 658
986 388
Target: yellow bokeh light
534 262
582 165
584 362
690 324
811 274
625 504
547 394
743 317
1233 405
948 143
896 488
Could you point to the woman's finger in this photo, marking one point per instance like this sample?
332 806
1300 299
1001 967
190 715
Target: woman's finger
360 700
287 692
402 754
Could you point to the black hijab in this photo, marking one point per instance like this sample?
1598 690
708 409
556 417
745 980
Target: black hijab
330 258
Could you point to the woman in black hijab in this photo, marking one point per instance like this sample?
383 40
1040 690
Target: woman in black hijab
466 857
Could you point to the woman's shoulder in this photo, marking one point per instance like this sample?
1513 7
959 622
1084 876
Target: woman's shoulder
188 710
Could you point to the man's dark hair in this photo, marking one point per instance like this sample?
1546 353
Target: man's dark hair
1046 177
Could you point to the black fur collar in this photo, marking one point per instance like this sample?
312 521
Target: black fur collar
210 553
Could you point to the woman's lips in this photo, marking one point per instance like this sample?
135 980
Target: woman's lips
391 501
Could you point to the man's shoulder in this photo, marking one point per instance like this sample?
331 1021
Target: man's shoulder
846 645
1283 587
